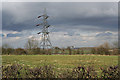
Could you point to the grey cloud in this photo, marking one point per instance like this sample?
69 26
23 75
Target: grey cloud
104 34
14 35
65 17
21 16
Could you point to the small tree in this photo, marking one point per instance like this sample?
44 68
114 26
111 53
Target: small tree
20 51
115 52
31 44
56 49
78 51
69 49
6 46
106 45
7 49
82 51
103 49
63 51
10 51
93 50
115 44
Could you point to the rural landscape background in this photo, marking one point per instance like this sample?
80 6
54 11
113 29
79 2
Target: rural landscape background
84 37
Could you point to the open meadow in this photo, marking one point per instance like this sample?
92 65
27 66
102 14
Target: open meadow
61 61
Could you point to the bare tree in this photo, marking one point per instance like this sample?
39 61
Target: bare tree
31 43
103 49
115 44
105 45
6 46
7 49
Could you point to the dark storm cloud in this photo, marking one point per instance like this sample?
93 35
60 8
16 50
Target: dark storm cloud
9 23
22 16
104 23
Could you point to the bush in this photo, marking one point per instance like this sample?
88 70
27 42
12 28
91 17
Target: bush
78 51
100 50
115 52
80 72
69 49
34 51
7 51
20 51
94 51
110 72
42 72
19 71
12 71
82 51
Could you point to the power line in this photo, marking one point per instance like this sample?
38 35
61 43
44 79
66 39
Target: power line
45 39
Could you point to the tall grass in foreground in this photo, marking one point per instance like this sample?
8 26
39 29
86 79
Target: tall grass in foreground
48 71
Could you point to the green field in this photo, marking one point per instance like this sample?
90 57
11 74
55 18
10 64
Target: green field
61 61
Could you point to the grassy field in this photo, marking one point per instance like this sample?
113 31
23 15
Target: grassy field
61 61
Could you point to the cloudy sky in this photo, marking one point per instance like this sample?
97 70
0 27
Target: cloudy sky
79 24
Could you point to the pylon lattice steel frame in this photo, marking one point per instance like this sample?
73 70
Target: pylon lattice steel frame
45 42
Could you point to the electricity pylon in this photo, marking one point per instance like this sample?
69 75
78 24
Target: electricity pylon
45 39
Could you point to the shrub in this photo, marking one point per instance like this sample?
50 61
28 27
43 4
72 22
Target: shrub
48 71
56 50
115 52
93 51
110 72
12 71
18 71
100 50
7 51
78 51
70 51
42 72
81 51
80 72
20 51
34 51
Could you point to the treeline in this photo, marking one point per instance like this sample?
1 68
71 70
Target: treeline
37 51
32 48
105 49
